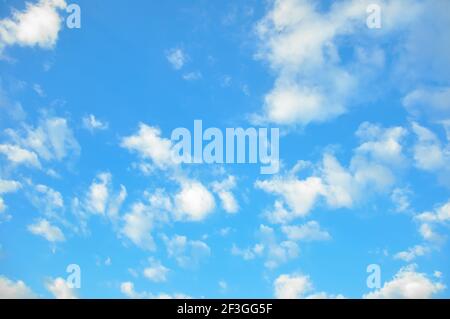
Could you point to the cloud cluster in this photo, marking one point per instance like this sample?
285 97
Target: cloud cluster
38 25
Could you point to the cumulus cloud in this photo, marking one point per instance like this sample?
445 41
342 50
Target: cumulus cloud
10 289
91 123
101 199
60 289
51 140
47 200
17 155
310 231
176 57
186 252
412 253
194 202
269 247
38 25
407 284
7 186
156 272
44 229
149 145
292 286
138 224
434 103
429 154
127 288
370 171
223 190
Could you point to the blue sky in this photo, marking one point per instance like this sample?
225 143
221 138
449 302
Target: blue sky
86 116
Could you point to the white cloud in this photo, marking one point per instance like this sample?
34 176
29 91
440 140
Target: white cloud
176 57
60 289
53 139
43 228
47 200
10 289
149 144
9 186
292 286
381 144
156 272
429 154
310 231
38 25
138 224
91 123
39 90
18 155
412 253
186 252
274 251
432 102
299 195
194 202
400 198
98 193
223 190
127 288
2 205
310 86
192 76
369 172
407 284
248 253
101 199
429 220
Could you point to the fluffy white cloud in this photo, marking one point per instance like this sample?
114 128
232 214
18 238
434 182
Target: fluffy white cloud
407 284
310 86
400 198
49 201
292 286
101 199
176 57
432 102
149 144
48 231
53 139
248 253
194 202
9 186
127 288
38 25
429 154
17 155
381 144
429 220
2 205
369 172
274 251
10 289
223 190
310 231
296 286
186 252
299 195
156 272
413 252
60 289
138 224
91 123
